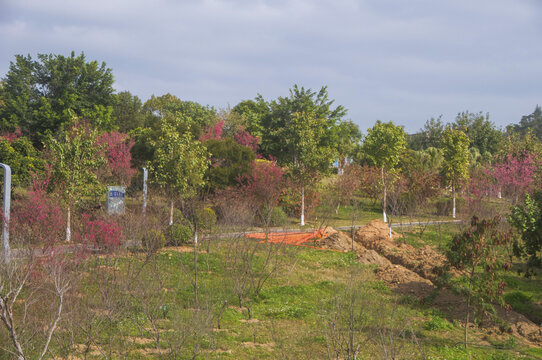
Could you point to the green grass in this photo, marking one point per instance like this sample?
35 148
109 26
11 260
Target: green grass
524 295
433 235
290 311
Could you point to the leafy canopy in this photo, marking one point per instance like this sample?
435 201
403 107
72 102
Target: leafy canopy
384 144
283 112
74 158
229 162
179 162
41 96
455 152
527 219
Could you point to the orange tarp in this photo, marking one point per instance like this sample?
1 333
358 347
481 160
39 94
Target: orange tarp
290 238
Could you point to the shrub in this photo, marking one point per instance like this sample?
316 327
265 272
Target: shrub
153 240
37 219
101 232
437 323
278 217
179 234
206 218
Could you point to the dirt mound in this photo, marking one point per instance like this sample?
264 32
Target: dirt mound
522 326
372 257
337 240
405 281
425 261
412 271
375 231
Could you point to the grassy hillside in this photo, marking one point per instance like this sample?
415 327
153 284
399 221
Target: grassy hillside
259 301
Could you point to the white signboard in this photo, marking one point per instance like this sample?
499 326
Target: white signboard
115 199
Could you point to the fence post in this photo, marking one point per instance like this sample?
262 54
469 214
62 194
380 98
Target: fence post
7 202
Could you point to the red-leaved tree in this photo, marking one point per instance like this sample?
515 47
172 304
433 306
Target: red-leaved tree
116 147
213 132
514 174
245 138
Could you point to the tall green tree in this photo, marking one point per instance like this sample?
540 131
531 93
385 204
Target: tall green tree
195 117
284 109
23 159
456 156
301 133
482 133
428 136
74 158
41 96
527 219
190 117
384 145
179 162
531 122
253 112
127 112
229 162
310 156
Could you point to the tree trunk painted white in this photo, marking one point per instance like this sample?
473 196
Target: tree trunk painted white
196 297
171 213
390 232
384 204
499 195
302 206
68 225
453 202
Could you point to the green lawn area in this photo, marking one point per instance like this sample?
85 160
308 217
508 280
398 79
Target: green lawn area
144 307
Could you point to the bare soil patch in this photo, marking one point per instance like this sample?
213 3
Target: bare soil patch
414 271
426 262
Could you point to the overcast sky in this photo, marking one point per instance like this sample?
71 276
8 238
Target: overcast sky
405 61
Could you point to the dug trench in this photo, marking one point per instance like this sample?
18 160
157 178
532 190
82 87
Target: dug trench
415 272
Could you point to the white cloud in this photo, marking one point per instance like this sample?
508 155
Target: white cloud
405 61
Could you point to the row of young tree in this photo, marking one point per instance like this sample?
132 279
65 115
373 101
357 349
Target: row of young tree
66 134
62 121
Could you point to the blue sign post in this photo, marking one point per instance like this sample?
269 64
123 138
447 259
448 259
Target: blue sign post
115 199
7 202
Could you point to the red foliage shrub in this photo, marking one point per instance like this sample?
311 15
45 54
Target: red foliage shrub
11 137
213 132
37 219
100 232
244 138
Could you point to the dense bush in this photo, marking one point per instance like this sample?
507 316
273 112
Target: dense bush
229 162
206 218
278 217
153 240
179 234
104 233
